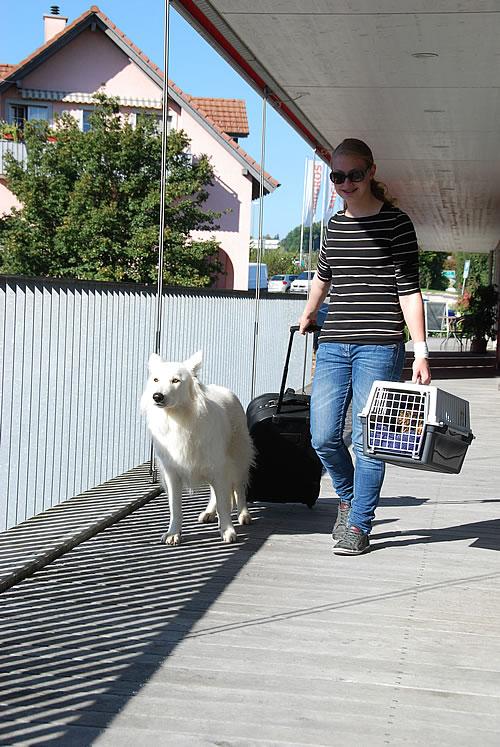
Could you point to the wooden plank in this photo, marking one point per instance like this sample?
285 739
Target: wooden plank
272 640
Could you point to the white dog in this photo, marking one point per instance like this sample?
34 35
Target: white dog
200 435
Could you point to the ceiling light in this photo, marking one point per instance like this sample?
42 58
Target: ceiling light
433 111
424 55
440 146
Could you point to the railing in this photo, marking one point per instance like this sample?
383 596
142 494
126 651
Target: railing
18 150
73 357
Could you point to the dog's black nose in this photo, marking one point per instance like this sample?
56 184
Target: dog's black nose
158 397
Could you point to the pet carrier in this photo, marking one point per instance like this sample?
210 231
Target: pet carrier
416 426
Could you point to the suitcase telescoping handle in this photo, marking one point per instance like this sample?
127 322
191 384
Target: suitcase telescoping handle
293 329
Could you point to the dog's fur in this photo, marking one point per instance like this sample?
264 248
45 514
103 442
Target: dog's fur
200 435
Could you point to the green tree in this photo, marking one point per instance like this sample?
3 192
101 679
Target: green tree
91 203
478 270
277 261
431 266
291 242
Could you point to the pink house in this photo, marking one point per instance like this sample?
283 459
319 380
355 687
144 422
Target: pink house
53 79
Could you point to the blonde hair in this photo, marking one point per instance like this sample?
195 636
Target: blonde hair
353 147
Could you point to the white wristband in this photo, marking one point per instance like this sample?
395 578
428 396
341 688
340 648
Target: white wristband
420 350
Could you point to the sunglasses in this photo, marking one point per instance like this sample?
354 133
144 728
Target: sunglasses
356 175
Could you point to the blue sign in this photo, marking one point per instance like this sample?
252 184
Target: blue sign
466 268
449 273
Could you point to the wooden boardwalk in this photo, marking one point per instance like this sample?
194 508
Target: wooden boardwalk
273 640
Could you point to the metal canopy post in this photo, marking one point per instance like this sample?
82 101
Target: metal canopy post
309 264
163 179
159 298
259 247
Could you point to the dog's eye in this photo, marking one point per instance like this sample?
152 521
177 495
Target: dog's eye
175 381
155 380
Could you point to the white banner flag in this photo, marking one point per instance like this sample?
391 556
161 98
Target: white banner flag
318 173
312 189
306 206
335 203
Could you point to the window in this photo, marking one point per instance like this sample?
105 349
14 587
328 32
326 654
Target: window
86 123
18 115
157 117
38 112
21 113
159 122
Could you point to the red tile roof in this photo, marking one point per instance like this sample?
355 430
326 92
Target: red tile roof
190 99
229 114
5 70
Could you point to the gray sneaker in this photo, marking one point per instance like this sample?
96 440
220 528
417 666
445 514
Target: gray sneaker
354 542
341 523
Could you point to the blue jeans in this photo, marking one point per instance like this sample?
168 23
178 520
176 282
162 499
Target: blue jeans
346 372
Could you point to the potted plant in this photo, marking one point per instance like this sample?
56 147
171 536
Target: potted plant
480 313
10 131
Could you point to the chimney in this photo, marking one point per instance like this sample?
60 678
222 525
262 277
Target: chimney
53 23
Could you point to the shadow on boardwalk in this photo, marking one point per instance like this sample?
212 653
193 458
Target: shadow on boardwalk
486 534
83 635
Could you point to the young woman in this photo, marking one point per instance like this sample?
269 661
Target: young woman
370 258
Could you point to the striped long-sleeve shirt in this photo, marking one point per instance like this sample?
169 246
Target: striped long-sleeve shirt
370 262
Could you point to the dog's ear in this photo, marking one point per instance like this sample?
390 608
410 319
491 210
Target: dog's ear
154 360
193 364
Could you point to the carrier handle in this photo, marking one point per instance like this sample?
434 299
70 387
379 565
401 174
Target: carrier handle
293 329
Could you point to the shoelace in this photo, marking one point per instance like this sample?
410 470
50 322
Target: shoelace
352 533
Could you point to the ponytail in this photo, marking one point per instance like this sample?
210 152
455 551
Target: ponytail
380 191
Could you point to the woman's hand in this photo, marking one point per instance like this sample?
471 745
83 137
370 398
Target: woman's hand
305 320
317 294
421 371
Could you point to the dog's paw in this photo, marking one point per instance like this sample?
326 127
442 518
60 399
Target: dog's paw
171 539
206 517
244 517
229 535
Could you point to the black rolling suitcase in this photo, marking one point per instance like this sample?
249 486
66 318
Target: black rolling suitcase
287 468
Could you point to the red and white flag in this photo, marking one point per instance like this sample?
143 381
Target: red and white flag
312 189
335 203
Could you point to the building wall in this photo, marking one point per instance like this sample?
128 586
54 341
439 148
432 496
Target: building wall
91 60
7 199
88 61
232 190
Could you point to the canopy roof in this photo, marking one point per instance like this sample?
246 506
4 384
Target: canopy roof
416 79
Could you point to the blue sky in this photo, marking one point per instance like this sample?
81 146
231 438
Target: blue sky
198 70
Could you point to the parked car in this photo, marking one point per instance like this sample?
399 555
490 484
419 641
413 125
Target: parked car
303 283
280 283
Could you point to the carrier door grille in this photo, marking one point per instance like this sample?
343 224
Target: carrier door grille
396 422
